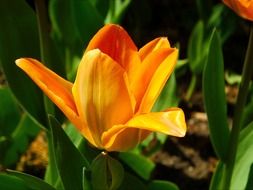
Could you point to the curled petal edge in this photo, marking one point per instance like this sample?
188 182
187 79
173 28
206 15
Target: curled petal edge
170 122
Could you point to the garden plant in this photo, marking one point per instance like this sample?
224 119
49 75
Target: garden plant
106 93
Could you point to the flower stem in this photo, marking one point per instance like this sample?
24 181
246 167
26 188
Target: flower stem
44 37
204 10
43 27
191 87
236 127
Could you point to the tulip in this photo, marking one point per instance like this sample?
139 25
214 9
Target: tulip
115 88
243 8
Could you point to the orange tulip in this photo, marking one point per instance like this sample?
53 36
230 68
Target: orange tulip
243 8
114 90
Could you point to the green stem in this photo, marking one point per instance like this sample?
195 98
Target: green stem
191 87
44 37
204 10
43 27
243 90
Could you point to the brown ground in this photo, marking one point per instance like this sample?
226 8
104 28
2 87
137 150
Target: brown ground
188 161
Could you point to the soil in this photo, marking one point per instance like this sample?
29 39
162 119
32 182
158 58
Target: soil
190 161
34 161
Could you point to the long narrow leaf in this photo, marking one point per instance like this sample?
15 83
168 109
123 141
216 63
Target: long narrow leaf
19 38
69 160
140 164
162 185
31 181
214 97
8 182
242 174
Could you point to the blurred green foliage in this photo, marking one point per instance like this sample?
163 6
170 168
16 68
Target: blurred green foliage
57 32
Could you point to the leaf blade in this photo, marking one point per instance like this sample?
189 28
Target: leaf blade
65 152
19 38
214 97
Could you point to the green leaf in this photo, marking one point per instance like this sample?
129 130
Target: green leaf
19 38
214 97
106 173
204 9
52 174
132 182
69 160
117 172
152 144
116 10
247 116
20 138
102 6
217 178
16 129
8 182
224 20
242 174
168 97
99 173
9 112
162 185
244 158
31 181
86 181
73 25
197 48
74 22
138 163
249 184
81 143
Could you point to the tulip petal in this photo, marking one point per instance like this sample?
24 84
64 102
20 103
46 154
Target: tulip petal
55 87
170 122
114 41
157 82
152 46
150 78
243 8
101 93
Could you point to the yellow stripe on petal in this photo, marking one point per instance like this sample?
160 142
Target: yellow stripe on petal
170 122
158 80
101 93
55 87
124 140
154 70
154 45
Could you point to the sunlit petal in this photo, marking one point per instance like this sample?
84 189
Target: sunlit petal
158 43
157 82
124 140
55 87
101 93
150 78
243 8
170 122
115 89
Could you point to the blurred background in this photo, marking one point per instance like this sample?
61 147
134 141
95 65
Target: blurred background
189 162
